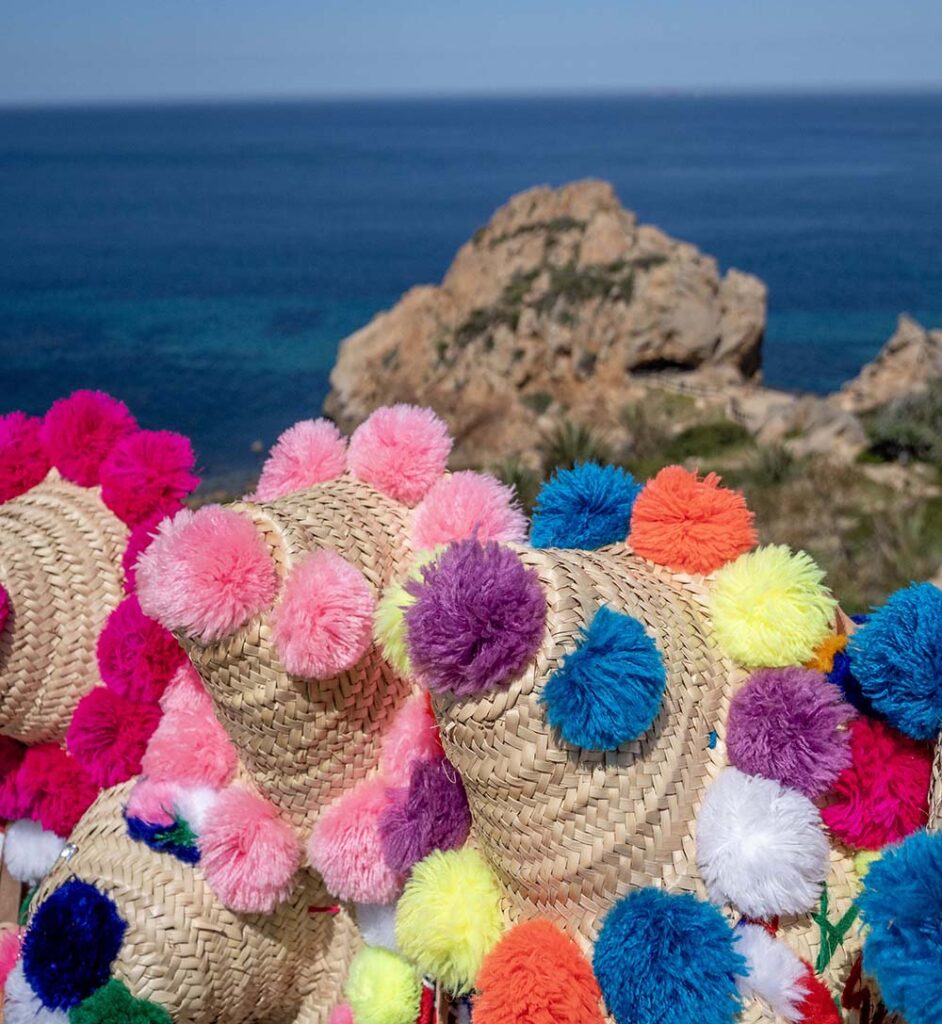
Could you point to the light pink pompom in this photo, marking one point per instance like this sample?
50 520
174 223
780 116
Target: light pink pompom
153 801
206 573
306 454
413 736
10 939
346 848
80 431
341 1014
138 542
400 450
186 692
190 747
323 624
23 459
467 504
249 856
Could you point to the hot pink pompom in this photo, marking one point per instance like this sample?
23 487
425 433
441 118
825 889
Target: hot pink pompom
306 454
341 1015
4 606
10 939
153 801
147 473
413 736
23 459
206 573
108 735
324 622
467 504
186 692
249 856
347 849
400 450
55 790
80 431
138 542
12 754
190 747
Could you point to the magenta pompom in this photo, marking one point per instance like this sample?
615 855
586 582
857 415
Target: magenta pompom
306 454
467 504
53 789
108 735
4 606
12 753
413 736
341 1014
23 459
80 431
190 746
138 542
400 450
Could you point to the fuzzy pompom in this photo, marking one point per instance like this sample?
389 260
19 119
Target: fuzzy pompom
389 622
586 507
23 459
114 1004
448 918
773 973
80 431
10 941
883 795
760 846
108 735
306 454
661 956
770 608
12 800
206 573
72 941
4 606
609 689
54 788
186 692
377 924
248 855
153 802
191 747
147 473
21 1005
138 542
897 656
467 504
787 724
817 1005
413 736
342 1014
824 654
689 524
29 850
477 621
400 450
536 974
382 988
176 839
323 623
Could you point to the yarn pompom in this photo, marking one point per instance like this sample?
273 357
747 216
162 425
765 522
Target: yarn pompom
4 606
186 692
477 621
536 974
689 524
413 736
323 623
10 940
72 941
787 724
760 846
467 504
667 957
341 1014
770 607
389 623
138 542
773 973
346 847
53 788
79 432
382 988
586 507
448 917
108 735
206 573
12 802
21 1005
153 801
897 656
191 747
306 454
609 689
114 1004
23 459
400 450
29 850
883 795
901 905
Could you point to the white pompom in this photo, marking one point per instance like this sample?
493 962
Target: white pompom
193 803
30 851
21 1005
377 922
760 846
775 972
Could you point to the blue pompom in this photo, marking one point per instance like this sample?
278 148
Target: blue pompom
902 906
665 958
609 689
175 839
897 656
585 507
71 944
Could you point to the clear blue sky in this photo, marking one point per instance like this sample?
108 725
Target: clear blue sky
66 50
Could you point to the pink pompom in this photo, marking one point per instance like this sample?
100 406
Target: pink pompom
190 747
467 504
400 450
23 459
10 939
54 789
206 573
413 736
147 473
341 1015
12 754
108 735
80 431
306 454
4 606
153 801
138 542
249 856
186 692
347 849
323 624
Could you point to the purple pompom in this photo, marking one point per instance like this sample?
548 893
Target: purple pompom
786 724
477 621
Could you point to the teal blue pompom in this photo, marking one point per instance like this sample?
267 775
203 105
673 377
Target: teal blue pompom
609 689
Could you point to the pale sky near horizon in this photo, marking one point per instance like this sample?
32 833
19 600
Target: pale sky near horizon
115 50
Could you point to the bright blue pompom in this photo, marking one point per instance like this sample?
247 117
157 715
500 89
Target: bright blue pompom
71 944
609 689
585 507
665 958
897 656
902 906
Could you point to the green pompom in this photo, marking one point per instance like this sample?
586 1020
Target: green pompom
114 1004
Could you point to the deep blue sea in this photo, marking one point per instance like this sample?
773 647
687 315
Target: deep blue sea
202 262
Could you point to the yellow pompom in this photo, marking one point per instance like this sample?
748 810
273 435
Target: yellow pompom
770 608
389 619
448 918
863 860
382 988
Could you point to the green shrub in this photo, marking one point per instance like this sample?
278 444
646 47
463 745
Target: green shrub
909 428
706 440
572 443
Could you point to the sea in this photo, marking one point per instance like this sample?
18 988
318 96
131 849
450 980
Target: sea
203 261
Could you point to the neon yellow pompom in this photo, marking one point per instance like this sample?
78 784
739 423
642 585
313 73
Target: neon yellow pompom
863 860
382 988
448 918
770 608
389 619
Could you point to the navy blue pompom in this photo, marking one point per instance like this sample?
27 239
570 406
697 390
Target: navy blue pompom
586 507
609 689
175 839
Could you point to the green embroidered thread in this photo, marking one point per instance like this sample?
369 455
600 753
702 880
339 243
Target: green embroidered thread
832 935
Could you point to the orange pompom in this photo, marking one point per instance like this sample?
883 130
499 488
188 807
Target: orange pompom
823 660
536 975
689 524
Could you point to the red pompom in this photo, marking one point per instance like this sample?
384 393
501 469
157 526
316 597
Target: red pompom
138 543
818 1006
23 459
108 735
80 431
54 788
12 754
